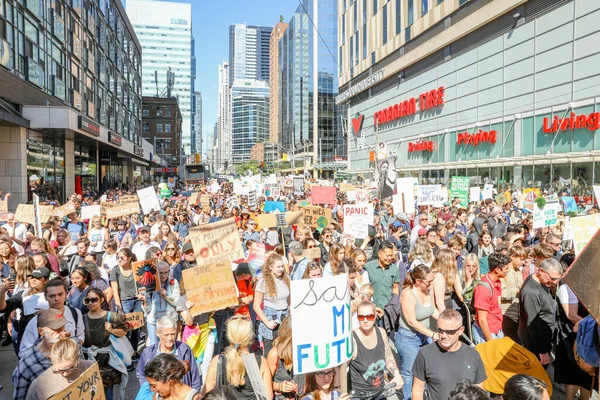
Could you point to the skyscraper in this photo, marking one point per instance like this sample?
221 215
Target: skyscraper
224 119
274 80
164 30
249 52
198 124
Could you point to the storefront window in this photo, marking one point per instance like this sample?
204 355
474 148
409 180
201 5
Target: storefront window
527 176
46 159
508 139
542 140
541 176
85 167
527 136
582 179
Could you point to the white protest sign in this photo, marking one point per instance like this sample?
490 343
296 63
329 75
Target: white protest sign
326 300
404 200
568 232
362 196
548 216
148 200
351 195
597 193
488 191
475 194
431 195
89 212
357 219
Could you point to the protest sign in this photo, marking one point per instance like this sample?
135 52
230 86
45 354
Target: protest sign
88 386
270 220
148 200
128 199
326 300
104 205
134 320
275 191
145 274
89 212
362 196
404 199
232 202
65 210
271 206
568 232
125 209
583 229
252 200
257 255
530 194
488 191
204 200
547 216
193 200
298 186
316 217
431 195
3 210
475 194
210 285
46 212
460 188
312 253
25 213
357 219
569 204
323 195
501 199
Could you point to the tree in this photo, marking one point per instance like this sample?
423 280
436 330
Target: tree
252 166
281 18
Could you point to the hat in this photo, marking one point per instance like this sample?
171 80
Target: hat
41 272
243 268
144 228
446 203
396 224
401 216
372 231
422 232
121 222
245 211
187 247
296 247
51 318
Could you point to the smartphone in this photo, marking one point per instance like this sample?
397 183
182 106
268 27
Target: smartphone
12 277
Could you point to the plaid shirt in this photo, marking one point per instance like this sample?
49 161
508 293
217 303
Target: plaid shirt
28 368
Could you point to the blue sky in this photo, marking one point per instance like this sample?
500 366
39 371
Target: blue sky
210 25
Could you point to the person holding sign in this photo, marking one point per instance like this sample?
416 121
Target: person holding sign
164 374
66 367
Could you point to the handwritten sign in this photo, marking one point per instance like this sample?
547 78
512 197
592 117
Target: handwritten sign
475 194
312 253
193 199
357 219
583 230
460 188
3 209
298 186
211 286
146 277
128 199
362 196
205 200
119 211
232 202
65 210
548 216
431 195
88 386
326 300
270 220
323 195
25 213
134 320
501 199
148 200
89 212
316 217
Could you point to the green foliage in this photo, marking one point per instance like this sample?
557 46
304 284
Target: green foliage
572 214
541 202
253 166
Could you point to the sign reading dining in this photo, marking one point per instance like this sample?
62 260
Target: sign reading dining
326 300
210 285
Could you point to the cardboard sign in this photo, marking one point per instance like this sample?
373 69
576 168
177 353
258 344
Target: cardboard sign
134 320
146 277
323 195
346 187
3 209
205 200
312 254
193 200
25 213
298 186
431 195
270 220
548 216
211 285
583 229
46 212
460 188
65 210
119 211
148 200
475 194
357 219
326 300
128 199
316 217
104 205
501 199
88 386
89 212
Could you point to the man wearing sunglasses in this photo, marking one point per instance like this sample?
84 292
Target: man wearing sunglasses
536 309
431 367
421 221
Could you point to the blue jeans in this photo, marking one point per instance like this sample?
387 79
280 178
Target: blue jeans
108 393
129 306
408 344
478 337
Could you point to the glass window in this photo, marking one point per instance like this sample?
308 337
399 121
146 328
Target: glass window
351 52
384 23
364 41
355 16
356 37
373 58
343 28
424 7
146 112
159 127
167 127
398 21
407 34
374 7
542 140
410 12
146 126
583 138
527 136
364 5
582 179
167 111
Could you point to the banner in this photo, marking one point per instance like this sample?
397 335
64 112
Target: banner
271 206
270 220
87 387
460 188
128 199
316 217
431 195
323 195
548 216
298 186
89 212
65 210
475 194
357 219
25 213
210 285
146 277
134 320
119 211
326 300
583 230
148 200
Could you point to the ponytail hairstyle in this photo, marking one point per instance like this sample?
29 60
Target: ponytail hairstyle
240 334
166 367
419 272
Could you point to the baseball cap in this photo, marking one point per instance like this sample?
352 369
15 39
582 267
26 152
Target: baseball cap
245 211
187 247
41 272
422 232
152 218
396 224
121 222
402 216
51 318
446 203
144 228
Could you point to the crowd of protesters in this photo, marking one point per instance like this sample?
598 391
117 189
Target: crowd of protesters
423 288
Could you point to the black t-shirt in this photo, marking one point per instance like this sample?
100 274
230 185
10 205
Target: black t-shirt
441 370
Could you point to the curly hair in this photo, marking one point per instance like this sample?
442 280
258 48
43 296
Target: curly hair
421 251
271 289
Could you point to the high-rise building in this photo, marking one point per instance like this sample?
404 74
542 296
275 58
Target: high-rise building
164 30
310 122
274 80
249 52
198 146
224 119
161 126
214 148
249 117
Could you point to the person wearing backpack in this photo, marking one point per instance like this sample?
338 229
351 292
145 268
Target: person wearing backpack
486 300
75 227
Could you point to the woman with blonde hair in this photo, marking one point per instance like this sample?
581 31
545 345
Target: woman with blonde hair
360 259
446 282
240 334
470 276
281 361
274 290
336 264
320 386
421 254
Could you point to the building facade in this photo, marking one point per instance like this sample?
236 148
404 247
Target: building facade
70 99
265 152
161 127
249 117
164 30
512 101
275 80
198 142
249 52
224 159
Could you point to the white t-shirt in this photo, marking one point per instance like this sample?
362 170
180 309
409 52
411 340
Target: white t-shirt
566 295
109 261
97 235
139 249
20 231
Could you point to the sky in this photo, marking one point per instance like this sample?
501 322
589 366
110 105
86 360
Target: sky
210 27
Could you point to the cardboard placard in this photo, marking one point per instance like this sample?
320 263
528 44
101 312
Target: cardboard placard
583 229
126 209
25 213
46 212
211 285
146 277
501 199
88 386
3 209
134 320
270 220
316 217
298 186
346 187
357 218
312 254
128 199
104 205
148 200
323 195
205 200
65 210
193 200
362 196
89 212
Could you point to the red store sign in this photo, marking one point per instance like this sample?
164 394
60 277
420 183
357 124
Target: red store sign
574 121
474 139
421 145
427 100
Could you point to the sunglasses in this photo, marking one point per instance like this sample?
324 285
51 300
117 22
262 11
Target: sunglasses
323 374
91 300
448 332
61 371
367 317
123 258
171 249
